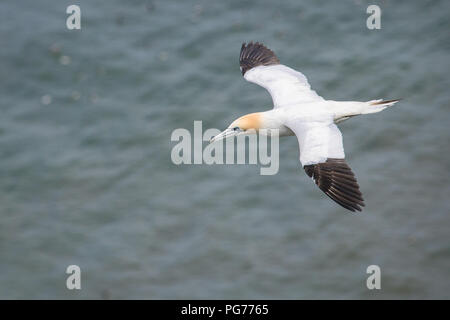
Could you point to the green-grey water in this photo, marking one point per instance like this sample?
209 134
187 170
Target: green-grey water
86 176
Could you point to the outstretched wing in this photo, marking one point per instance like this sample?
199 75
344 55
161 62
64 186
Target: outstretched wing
286 86
322 157
335 178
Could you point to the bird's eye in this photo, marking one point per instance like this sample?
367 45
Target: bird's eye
236 128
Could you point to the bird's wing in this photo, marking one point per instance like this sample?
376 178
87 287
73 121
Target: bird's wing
322 157
286 86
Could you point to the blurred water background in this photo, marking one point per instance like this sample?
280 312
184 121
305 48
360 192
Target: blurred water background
86 176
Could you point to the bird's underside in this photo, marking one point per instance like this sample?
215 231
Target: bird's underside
312 119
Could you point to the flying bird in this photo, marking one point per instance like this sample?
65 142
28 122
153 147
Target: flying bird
298 110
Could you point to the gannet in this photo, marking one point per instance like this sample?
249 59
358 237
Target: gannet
298 110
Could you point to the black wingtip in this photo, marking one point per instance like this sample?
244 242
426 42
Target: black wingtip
335 178
256 54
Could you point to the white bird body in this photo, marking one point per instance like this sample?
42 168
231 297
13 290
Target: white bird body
298 110
314 124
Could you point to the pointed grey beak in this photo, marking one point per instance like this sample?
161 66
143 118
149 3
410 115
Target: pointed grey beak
224 134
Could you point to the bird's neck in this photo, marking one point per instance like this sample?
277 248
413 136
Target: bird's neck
274 119
270 120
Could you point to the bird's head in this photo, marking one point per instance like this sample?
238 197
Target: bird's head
243 125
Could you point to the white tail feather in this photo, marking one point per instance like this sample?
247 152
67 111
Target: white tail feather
374 106
346 109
